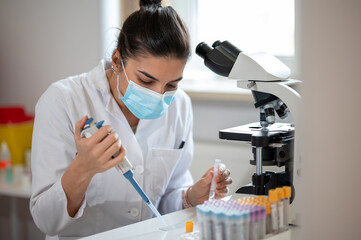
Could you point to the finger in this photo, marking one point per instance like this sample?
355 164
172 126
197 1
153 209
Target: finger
206 180
222 191
112 150
226 173
100 134
79 125
221 168
118 159
224 183
108 141
207 172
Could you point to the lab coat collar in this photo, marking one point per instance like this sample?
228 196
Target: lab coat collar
98 77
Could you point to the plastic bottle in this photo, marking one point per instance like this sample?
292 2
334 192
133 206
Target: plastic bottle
26 179
286 204
281 218
9 174
18 175
5 159
273 198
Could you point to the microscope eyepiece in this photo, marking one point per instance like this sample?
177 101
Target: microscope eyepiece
216 43
203 49
220 58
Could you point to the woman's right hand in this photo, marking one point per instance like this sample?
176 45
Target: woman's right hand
94 156
95 153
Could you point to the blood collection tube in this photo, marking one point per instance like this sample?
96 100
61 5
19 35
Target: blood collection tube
245 224
254 228
281 218
262 222
201 221
286 205
273 198
268 218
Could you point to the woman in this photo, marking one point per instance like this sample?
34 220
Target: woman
76 189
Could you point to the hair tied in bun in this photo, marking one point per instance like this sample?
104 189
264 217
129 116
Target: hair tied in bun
150 3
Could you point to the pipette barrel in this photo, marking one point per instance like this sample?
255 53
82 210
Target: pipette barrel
129 175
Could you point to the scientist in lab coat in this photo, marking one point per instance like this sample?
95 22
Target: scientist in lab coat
76 190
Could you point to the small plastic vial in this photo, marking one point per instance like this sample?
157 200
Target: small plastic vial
5 162
262 223
286 204
245 224
201 221
254 225
212 191
268 219
273 198
281 218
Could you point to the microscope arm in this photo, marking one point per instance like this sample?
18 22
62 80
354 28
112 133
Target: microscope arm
281 89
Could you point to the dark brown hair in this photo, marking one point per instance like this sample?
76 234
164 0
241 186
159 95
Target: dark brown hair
154 30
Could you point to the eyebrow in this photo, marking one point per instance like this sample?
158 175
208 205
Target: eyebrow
150 76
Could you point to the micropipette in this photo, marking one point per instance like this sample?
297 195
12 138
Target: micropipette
125 167
212 191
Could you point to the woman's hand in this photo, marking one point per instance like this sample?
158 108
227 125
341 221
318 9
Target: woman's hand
94 156
199 192
95 153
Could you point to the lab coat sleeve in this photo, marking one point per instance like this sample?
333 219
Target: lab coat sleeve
181 179
53 149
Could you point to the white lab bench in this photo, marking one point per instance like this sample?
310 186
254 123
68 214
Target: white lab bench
150 229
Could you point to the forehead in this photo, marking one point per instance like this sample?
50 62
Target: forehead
162 68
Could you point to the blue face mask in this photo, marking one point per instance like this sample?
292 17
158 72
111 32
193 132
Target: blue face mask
143 102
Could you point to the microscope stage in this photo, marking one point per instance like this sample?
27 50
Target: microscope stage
245 132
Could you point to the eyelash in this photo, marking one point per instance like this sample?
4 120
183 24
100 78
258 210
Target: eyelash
150 82
144 82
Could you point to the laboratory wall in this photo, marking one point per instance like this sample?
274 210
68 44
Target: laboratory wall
330 37
44 41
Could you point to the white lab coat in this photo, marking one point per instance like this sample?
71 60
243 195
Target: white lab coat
160 167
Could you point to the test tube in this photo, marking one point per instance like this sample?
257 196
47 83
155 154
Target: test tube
218 224
286 205
268 218
236 225
209 223
201 221
273 198
281 217
253 228
212 191
245 224
262 223
228 225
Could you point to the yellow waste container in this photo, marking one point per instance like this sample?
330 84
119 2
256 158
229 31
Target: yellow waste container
16 130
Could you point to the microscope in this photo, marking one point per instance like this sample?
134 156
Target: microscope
273 144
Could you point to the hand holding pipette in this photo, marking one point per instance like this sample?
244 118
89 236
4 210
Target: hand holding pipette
124 167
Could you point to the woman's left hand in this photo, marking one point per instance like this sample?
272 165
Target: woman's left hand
199 192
